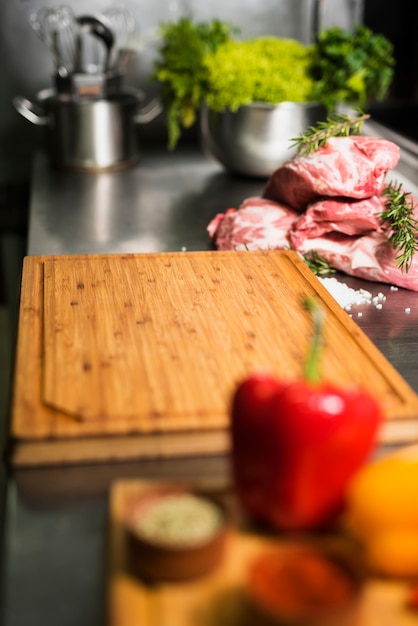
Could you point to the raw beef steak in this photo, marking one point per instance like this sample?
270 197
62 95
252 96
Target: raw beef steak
350 217
257 224
352 167
369 256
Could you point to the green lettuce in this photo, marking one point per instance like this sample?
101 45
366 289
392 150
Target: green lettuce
265 69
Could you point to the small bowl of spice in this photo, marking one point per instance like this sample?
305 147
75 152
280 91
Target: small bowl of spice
175 534
302 584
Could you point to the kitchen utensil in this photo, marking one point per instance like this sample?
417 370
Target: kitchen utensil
146 376
61 21
36 21
257 138
57 28
90 134
99 29
125 30
87 84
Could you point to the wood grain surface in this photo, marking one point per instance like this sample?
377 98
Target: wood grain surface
125 355
217 598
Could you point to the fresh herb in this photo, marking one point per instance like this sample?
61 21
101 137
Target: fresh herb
181 72
317 264
312 363
336 125
399 217
351 67
263 69
203 62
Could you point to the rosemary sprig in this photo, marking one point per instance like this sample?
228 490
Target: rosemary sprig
317 264
336 125
312 363
399 216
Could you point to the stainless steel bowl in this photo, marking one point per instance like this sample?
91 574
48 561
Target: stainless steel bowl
256 139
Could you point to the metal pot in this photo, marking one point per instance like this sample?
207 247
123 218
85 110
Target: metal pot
90 135
257 138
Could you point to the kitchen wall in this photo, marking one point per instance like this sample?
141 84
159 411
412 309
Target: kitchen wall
26 63
399 25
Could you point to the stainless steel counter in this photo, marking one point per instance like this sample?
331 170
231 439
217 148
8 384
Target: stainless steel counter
54 548
165 203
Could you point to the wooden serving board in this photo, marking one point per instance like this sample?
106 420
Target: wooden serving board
123 356
218 597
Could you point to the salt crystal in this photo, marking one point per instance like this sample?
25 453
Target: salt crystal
345 295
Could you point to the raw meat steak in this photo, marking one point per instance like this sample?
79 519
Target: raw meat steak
352 167
350 217
369 256
257 224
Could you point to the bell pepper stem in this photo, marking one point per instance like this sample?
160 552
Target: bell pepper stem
311 370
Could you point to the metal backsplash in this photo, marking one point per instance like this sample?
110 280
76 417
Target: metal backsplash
27 64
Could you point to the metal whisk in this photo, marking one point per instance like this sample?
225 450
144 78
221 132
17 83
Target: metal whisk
125 29
57 28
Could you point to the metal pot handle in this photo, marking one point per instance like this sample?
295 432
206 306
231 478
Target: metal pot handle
30 111
148 112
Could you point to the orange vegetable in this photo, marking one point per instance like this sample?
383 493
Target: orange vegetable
382 512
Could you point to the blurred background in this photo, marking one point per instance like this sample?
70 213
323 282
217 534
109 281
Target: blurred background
27 65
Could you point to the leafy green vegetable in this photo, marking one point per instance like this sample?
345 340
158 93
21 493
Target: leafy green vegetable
317 264
399 216
351 67
336 125
201 61
181 71
264 69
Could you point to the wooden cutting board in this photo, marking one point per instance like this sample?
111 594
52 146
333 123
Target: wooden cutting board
121 356
218 597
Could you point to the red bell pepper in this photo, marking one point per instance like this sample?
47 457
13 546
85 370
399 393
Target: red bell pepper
295 445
